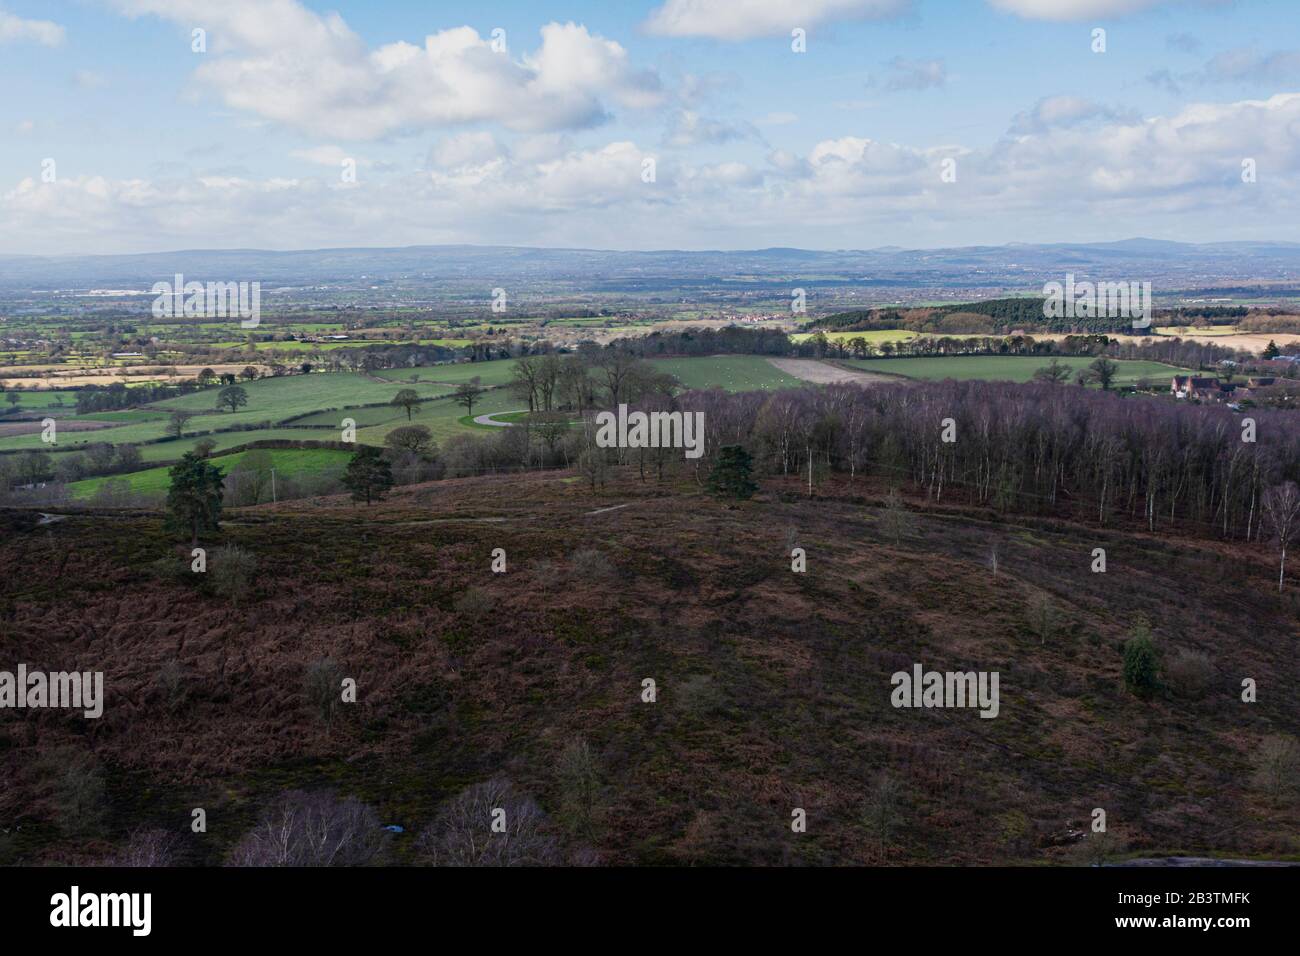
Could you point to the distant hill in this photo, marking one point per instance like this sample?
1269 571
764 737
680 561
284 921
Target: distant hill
1170 265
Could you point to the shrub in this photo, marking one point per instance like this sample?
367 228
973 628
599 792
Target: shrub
1141 669
579 787
77 789
463 833
171 682
895 520
590 565
1042 616
1277 766
302 829
146 848
323 688
1189 673
475 603
232 572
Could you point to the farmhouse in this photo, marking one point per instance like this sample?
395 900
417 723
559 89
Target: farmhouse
1201 388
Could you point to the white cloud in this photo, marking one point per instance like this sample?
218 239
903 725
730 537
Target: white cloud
1251 66
333 156
465 149
905 74
746 19
1076 170
1074 9
282 62
14 29
689 128
1060 111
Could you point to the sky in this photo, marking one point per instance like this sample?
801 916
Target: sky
154 125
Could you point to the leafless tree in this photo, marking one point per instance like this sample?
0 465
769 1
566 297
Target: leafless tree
323 688
490 824
312 829
1042 615
1277 766
146 848
1282 511
882 811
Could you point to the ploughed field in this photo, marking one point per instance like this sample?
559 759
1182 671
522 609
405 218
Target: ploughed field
773 687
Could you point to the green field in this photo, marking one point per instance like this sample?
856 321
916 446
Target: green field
442 418
42 401
270 401
324 400
1004 368
496 372
287 462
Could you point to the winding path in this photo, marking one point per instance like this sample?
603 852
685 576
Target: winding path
490 419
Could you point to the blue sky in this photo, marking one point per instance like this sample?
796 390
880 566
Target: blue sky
848 144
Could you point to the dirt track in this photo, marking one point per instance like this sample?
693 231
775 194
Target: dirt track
823 373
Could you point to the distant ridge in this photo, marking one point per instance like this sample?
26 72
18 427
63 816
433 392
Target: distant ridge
1012 266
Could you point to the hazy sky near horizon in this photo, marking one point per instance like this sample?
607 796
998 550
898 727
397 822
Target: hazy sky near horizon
394 122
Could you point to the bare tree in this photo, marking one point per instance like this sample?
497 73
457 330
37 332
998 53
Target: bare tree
323 689
176 424
1042 616
579 786
490 824
895 520
146 848
882 811
407 399
1282 511
1277 766
312 829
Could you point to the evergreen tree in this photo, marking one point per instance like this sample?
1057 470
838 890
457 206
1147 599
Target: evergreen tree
194 499
368 476
732 476
1140 665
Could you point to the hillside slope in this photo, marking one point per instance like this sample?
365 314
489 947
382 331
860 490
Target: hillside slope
773 686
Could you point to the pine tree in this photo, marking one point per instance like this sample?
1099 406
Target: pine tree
1140 664
194 498
368 475
732 476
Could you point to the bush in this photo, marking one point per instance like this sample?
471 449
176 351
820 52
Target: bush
579 787
146 848
1189 673
475 603
171 682
590 565
323 688
302 829
232 573
1141 669
1277 766
462 835
77 789
1042 616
